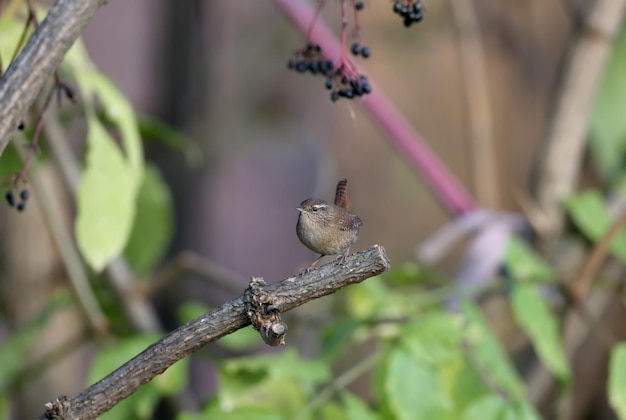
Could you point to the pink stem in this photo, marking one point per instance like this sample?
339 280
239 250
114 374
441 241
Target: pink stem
443 183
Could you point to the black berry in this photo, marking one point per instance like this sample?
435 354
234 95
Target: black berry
301 66
329 84
21 125
355 49
10 198
21 206
24 195
359 5
291 64
397 7
365 52
334 96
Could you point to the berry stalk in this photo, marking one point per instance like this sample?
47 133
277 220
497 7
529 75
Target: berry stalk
402 135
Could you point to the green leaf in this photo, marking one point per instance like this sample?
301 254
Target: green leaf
356 408
282 380
412 390
108 188
488 352
153 227
524 264
537 320
435 339
106 200
489 407
617 380
214 411
590 215
141 404
608 125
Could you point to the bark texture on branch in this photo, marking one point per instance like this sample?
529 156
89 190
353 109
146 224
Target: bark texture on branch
230 317
43 53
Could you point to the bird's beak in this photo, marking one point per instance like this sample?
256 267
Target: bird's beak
299 208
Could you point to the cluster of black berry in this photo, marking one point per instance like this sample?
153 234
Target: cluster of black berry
10 197
412 11
311 60
344 87
362 50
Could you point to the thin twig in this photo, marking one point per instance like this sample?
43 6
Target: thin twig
596 258
230 317
339 383
43 53
478 106
189 261
68 252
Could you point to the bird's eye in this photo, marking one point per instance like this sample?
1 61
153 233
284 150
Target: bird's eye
315 208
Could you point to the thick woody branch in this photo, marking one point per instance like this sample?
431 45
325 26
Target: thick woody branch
230 317
43 53
565 143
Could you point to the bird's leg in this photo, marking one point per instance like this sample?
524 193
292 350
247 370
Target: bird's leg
313 264
342 258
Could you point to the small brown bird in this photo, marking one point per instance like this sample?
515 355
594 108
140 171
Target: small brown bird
328 229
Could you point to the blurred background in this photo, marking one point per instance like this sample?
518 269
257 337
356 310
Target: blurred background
268 138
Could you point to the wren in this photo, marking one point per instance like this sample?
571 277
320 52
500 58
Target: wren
328 229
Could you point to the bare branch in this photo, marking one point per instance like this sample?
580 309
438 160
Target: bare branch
566 137
230 317
43 53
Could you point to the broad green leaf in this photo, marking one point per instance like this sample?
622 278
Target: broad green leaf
153 227
434 339
106 200
337 336
537 320
590 215
489 407
490 354
108 189
617 380
213 411
412 390
371 298
329 410
282 380
608 125
356 408
141 404
524 264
